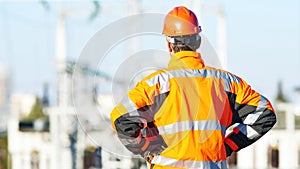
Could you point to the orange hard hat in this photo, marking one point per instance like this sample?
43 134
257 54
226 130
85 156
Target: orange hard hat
181 21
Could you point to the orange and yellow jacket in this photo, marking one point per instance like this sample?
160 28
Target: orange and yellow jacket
177 117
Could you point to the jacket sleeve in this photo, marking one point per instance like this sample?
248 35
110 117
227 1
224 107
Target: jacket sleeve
255 116
132 120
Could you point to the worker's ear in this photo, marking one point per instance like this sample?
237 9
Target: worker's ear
169 46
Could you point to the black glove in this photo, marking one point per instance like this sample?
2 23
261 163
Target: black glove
148 145
228 150
138 137
155 147
129 127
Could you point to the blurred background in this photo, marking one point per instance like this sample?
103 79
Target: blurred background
41 40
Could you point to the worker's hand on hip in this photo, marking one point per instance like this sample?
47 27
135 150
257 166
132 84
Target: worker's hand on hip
129 127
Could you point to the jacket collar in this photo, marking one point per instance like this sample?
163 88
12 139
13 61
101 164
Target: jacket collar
186 59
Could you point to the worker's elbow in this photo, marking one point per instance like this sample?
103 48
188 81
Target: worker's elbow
274 118
270 121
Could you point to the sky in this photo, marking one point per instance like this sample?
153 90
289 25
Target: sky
263 39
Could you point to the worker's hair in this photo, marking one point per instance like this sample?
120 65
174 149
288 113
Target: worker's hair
187 42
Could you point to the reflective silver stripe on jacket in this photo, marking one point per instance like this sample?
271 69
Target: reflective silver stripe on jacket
248 131
163 78
251 118
190 125
160 160
130 106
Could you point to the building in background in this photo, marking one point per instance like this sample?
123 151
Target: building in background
35 144
29 141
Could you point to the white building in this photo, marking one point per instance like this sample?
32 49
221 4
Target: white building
33 149
27 150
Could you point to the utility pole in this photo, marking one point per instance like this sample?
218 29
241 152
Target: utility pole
65 122
61 55
221 32
197 7
62 86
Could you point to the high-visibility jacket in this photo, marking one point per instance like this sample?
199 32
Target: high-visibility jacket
177 117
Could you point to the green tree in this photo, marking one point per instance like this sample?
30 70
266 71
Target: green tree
280 94
3 151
